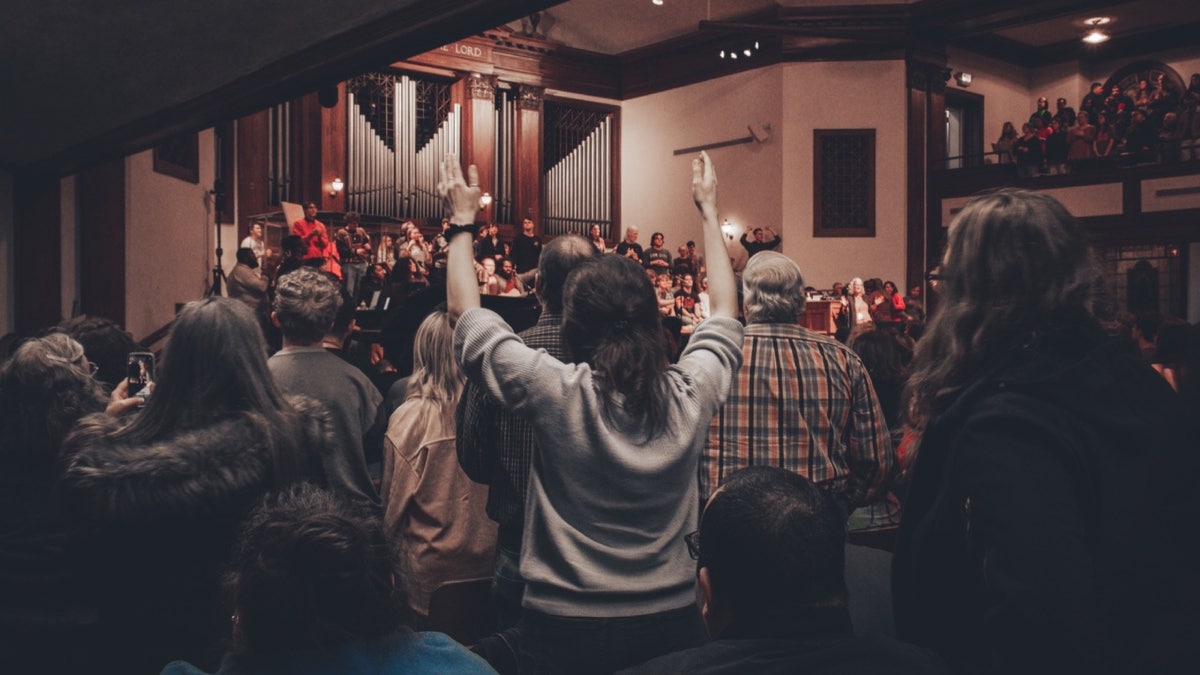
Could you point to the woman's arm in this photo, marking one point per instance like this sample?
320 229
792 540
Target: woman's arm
462 287
722 291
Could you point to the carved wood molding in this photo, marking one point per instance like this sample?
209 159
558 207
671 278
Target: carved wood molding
925 76
481 86
529 97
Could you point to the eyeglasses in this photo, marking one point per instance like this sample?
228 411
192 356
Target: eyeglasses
692 539
933 276
93 369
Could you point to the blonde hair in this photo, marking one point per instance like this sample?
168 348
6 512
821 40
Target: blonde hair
435 374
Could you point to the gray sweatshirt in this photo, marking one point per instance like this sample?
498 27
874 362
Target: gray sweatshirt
607 509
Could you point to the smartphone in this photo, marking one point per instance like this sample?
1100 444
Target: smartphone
139 371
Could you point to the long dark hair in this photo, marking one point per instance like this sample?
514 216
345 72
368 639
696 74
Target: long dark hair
215 367
1015 262
611 322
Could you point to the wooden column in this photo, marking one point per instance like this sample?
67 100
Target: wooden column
479 130
253 156
307 170
100 192
527 156
333 149
37 253
926 145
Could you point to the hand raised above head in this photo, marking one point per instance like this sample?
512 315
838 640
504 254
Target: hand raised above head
461 196
704 183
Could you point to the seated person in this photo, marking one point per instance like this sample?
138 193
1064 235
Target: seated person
316 589
665 294
771 589
687 302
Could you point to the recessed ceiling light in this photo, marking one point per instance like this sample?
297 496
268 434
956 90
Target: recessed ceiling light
1097 21
657 2
1095 37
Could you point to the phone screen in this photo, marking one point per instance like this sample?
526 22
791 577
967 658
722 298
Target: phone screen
140 373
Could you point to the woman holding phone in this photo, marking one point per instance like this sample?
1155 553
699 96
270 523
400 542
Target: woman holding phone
155 499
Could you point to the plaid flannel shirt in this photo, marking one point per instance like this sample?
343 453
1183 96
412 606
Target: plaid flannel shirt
494 447
802 402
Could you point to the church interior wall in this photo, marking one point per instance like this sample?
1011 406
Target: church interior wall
845 95
654 182
170 239
1005 89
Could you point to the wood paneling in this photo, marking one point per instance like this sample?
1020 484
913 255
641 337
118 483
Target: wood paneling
253 153
333 149
527 155
102 271
37 253
479 129
306 152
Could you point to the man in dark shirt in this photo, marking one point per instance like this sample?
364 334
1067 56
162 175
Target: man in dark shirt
630 248
495 447
758 245
526 248
771 590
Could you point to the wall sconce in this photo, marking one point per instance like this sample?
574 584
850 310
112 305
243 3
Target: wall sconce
485 200
963 79
728 228
336 187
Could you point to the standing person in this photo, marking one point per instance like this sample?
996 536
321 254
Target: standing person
597 240
431 508
354 249
490 246
1055 471
527 248
316 238
759 245
45 617
156 498
317 589
306 302
244 282
256 241
771 585
618 434
629 247
495 447
802 401
658 257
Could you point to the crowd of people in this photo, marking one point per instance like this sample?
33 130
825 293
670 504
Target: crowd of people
641 505
1154 123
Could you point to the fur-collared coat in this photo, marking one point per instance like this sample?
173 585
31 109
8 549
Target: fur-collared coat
154 526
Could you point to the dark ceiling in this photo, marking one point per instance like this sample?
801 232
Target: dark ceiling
87 81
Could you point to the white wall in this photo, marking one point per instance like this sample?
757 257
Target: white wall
859 95
1005 89
169 239
7 297
656 185
770 184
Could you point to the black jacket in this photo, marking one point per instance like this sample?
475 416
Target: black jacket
154 527
1050 522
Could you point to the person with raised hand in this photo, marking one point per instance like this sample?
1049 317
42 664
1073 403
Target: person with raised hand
613 488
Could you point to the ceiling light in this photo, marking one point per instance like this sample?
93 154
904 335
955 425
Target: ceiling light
657 2
722 53
1095 36
746 52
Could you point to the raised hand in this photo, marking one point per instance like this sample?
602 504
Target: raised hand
704 184
461 196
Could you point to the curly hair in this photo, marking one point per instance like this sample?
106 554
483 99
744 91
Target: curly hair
44 389
1015 263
